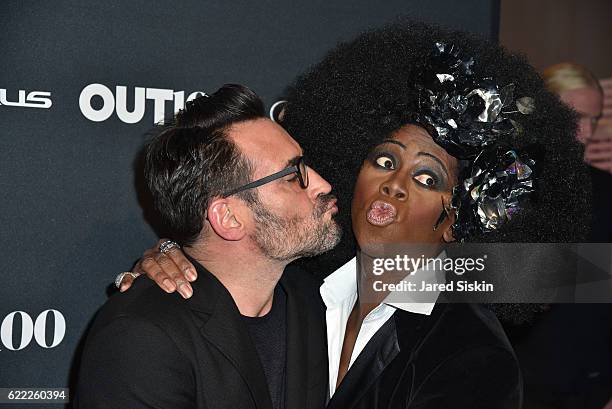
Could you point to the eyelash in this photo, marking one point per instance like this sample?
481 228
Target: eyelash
431 175
374 156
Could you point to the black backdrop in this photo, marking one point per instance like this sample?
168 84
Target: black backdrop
69 210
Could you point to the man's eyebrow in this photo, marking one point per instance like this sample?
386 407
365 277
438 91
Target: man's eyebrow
293 161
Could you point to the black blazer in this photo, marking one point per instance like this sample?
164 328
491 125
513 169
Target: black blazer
457 357
149 349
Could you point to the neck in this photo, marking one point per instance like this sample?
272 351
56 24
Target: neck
368 297
249 276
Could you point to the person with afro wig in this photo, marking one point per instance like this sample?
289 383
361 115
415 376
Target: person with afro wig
429 136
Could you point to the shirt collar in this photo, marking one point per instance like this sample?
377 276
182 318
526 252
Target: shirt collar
341 285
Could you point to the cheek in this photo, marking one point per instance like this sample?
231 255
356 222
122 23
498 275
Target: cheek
365 187
424 207
364 180
290 205
421 214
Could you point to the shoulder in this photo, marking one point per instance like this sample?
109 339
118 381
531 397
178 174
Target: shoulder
136 355
473 325
464 333
467 353
144 304
479 344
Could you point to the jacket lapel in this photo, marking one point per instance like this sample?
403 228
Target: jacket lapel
378 353
398 338
226 330
306 347
297 346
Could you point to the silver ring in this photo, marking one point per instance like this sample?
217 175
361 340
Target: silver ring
168 245
120 276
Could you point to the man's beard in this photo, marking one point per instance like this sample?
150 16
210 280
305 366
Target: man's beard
292 238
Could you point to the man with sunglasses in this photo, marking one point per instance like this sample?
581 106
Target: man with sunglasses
233 189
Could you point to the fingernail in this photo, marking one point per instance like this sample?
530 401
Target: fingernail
123 287
186 291
191 275
168 285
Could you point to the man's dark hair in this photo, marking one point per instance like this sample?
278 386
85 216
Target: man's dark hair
193 161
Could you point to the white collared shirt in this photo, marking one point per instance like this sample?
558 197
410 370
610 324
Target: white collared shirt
339 293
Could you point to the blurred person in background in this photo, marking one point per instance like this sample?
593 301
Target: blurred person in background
578 88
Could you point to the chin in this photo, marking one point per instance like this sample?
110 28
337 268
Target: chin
374 242
374 250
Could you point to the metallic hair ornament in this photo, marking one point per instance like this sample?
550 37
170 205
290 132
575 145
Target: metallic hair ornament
464 113
490 191
470 117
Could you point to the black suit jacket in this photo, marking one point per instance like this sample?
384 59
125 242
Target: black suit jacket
457 357
149 349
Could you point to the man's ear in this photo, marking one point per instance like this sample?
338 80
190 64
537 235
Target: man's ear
225 218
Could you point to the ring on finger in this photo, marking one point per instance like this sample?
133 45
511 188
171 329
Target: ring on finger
168 245
120 277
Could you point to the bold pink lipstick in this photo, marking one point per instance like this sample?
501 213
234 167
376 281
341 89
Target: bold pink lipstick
381 213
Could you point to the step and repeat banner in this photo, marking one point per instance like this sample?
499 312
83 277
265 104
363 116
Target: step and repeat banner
81 84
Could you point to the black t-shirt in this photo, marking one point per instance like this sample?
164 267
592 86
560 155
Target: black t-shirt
269 334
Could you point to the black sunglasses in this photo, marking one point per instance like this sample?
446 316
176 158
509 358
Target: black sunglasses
300 169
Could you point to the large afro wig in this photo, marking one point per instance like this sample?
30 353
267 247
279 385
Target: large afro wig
344 105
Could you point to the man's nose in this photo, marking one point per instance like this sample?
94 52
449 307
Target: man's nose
317 186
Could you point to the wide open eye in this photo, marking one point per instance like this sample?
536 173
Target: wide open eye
426 179
385 162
